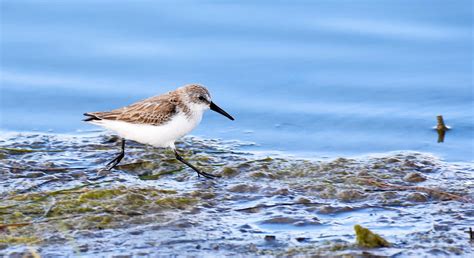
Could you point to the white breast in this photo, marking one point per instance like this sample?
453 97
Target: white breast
159 136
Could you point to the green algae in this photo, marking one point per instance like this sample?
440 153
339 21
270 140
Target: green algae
124 204
14 151
88 209
141 165
204 194
176 202
323 249
163 191
11 240
160 174
100 194
100 220
368 239
229 172
258 174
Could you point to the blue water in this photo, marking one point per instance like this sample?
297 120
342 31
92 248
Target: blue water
314 78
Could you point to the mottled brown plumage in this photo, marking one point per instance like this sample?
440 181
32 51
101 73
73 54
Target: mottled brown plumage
156 110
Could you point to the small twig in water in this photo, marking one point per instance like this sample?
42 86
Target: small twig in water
441 128
471 234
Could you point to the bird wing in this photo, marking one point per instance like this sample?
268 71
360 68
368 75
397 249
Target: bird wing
154 111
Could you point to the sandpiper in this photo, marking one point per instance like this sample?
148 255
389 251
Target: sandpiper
160 120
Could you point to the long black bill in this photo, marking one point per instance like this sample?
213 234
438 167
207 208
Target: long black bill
219 110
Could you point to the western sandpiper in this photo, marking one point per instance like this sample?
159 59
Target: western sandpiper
159 121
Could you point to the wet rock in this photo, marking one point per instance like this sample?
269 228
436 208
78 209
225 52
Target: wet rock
269 238
378 166
229 172
34 174
258 174
136 232
282 191
393 160
417 197
176 202
83 248
134 198
139 166
303 200
328 209
78 174
280 220
203 194
389 195
350 195
99 194
243 188
414 177
302 239
441 227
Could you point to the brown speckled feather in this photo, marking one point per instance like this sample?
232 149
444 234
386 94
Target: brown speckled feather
153 111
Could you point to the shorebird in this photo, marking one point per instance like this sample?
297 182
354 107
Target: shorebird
159 121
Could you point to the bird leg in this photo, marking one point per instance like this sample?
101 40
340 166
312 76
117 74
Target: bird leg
113 163
200 173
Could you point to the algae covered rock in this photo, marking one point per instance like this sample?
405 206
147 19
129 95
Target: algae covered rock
368 239
350 195
417 197
414 177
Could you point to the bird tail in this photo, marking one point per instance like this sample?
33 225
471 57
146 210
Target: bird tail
90 117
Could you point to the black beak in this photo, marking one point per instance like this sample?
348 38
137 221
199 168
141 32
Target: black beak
219 110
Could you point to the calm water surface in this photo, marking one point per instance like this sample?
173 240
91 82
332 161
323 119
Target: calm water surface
303 77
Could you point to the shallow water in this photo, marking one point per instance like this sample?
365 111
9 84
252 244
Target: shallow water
152 205
312 79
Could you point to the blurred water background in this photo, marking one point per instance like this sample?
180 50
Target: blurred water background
309 78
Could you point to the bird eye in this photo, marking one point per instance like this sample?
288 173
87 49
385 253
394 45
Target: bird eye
202 98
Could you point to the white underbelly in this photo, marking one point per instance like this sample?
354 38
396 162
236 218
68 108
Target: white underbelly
159 136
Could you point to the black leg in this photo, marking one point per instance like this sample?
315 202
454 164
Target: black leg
200 173
113 163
